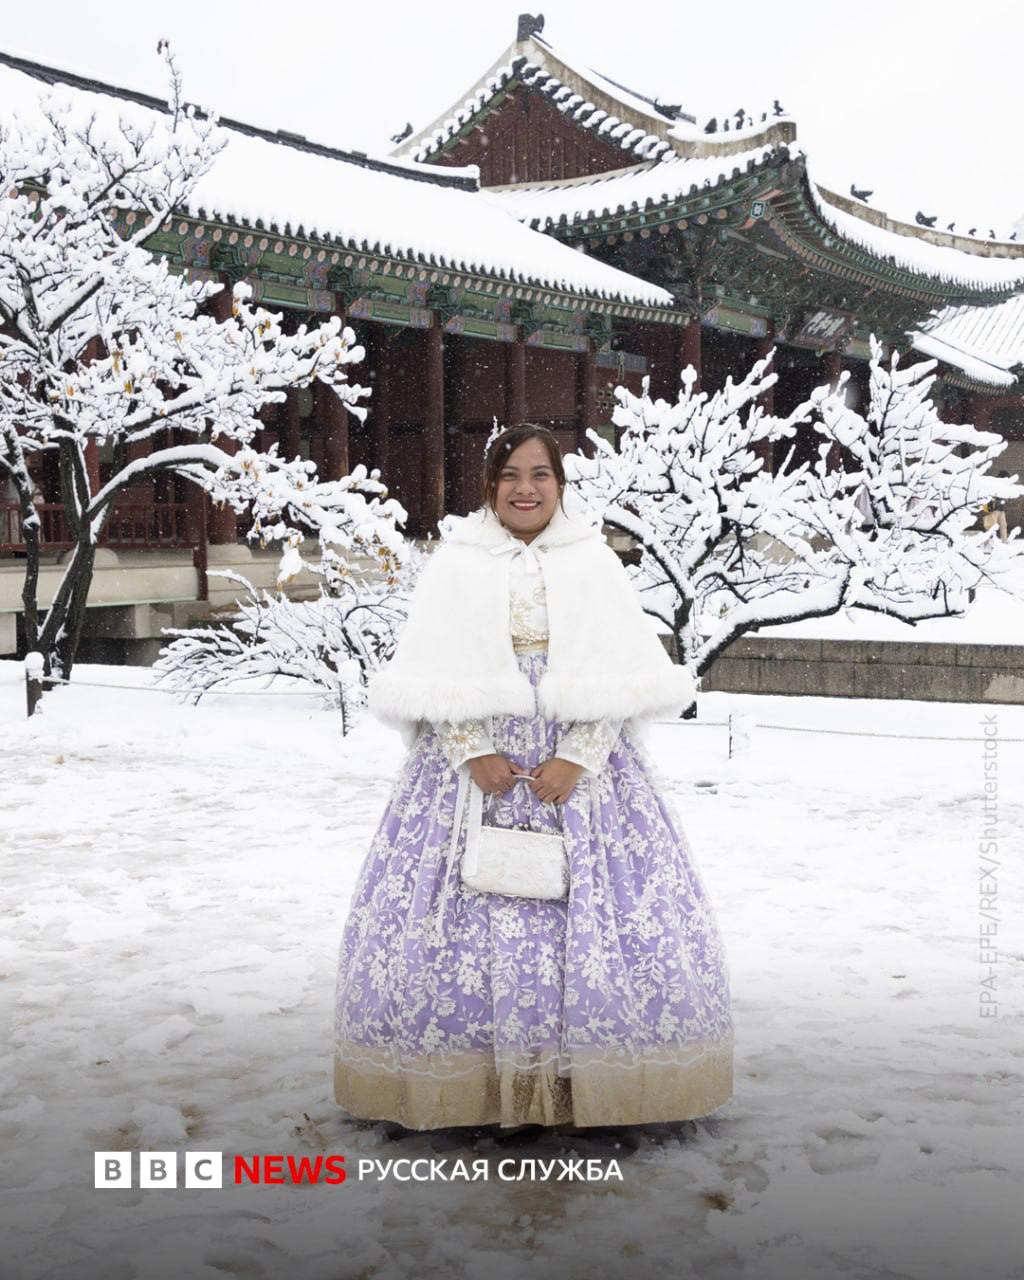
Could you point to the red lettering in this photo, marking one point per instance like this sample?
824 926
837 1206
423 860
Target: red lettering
304 1170
299 1169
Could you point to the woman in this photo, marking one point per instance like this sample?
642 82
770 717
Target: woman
454 1007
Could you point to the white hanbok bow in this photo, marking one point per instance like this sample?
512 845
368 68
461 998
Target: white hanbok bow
525 550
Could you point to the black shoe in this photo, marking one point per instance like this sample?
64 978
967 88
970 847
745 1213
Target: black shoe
520 1133
391 1131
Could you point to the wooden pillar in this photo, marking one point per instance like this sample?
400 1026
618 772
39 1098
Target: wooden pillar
833 369
92 463
761 348
382 399
661 341
515 382
94 349
291 426
433 429
266 433
765 449
332 419
198 505
221 303
689 349
586 400
142 489
222 523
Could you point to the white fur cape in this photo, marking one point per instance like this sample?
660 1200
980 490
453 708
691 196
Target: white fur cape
454 658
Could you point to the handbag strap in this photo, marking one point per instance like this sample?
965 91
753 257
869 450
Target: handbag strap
460 803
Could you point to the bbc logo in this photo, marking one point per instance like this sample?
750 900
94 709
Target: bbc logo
158 1169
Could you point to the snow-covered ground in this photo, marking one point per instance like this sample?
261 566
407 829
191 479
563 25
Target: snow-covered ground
174 885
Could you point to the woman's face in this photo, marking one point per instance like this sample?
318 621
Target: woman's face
527 490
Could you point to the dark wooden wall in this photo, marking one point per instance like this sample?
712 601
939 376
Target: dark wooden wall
527 139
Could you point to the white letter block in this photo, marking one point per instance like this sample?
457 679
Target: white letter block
204 1169
112 1169
158 1169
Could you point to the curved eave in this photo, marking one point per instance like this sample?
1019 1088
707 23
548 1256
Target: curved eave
426 268
866 255
948 270
975 370
608 202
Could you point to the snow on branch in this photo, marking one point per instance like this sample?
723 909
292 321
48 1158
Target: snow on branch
332 643
105 346
734 536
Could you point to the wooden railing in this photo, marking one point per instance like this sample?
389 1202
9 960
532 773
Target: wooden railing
130 524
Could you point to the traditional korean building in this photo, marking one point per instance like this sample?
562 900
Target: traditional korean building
549 237
724 214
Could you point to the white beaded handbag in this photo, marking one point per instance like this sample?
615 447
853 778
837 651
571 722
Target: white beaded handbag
510 860
504 860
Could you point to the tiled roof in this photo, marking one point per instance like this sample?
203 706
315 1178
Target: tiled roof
633 141
290 186
986 343
545 204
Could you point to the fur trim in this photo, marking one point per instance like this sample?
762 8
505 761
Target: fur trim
454 658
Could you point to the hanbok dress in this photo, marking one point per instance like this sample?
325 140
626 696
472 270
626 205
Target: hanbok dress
610 1007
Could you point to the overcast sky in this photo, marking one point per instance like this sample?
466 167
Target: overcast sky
917 99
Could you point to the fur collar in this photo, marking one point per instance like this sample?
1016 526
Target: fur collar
454 658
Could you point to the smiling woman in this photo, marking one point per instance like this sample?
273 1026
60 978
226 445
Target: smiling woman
610 1006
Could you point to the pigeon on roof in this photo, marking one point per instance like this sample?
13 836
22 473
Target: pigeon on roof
860 194
673 110
923 220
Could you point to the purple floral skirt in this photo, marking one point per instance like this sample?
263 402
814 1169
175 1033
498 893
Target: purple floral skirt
609 1007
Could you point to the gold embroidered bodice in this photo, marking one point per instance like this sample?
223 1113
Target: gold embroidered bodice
586 742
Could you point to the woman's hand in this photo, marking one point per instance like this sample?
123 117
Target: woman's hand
492 773
555 779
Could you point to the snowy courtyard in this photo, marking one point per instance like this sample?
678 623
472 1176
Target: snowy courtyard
175 881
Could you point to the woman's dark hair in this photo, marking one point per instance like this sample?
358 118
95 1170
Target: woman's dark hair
505 444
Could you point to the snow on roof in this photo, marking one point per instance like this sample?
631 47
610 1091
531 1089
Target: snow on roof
987 343
643 127
401 217
624 190
905 246
629 98
652 132
588 115
287 183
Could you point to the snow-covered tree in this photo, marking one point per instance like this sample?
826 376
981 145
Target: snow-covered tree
878 520
332 643
101 343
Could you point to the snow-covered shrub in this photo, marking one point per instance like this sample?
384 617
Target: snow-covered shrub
331 643
878 520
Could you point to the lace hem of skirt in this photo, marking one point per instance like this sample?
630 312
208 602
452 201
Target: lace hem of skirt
441 1090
